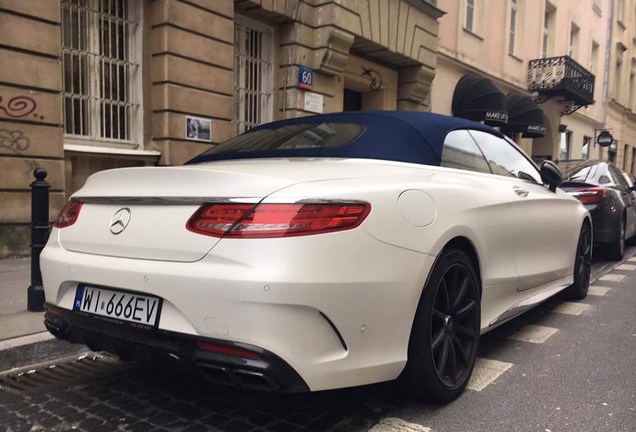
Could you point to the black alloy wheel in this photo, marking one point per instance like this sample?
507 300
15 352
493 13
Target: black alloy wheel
616 250
582 265
453 333
445 335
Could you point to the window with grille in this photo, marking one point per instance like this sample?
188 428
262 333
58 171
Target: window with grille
253 74
99 67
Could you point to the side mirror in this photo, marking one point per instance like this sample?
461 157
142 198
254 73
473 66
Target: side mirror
551 175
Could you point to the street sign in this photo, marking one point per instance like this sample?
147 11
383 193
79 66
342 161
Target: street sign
305 77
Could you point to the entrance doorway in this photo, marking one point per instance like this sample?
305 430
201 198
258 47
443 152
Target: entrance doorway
352 100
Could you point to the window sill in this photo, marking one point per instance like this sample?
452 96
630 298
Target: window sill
473 34
111 151
518 59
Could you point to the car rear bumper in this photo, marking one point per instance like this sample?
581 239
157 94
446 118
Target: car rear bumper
338 317
236 364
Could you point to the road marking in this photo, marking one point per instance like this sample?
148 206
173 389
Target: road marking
25 340
571 308
485 372
393 424
598 291
632 259
612 277
628 267
534 334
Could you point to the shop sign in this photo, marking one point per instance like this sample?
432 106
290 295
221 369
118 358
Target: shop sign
604 139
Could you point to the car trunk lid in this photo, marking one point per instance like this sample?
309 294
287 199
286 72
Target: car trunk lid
142 212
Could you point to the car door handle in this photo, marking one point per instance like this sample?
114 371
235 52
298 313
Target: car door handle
521 192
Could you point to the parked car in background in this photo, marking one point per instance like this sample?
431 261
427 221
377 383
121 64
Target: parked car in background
316 253
607 195
631 182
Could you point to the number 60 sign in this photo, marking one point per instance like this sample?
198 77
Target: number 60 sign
305 77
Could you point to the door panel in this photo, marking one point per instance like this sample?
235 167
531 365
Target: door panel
545 242
544 245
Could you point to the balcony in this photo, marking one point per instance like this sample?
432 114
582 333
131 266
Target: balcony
564 78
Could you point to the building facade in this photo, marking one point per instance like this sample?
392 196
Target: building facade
87 85
536 49
620 92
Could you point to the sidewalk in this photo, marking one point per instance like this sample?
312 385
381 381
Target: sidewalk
23 337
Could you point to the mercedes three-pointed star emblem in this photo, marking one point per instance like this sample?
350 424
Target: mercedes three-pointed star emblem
120 220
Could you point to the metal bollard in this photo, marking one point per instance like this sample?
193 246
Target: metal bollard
39 236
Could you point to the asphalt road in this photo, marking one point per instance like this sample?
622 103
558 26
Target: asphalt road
561 367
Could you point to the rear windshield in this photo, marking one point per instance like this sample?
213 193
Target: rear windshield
291 137
589 173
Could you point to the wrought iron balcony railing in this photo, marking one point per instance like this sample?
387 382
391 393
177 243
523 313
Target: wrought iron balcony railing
563 77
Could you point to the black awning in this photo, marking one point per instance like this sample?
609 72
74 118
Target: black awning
478 99
525 117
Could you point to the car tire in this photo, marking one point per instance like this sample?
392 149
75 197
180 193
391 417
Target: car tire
616 250
582 265
445 334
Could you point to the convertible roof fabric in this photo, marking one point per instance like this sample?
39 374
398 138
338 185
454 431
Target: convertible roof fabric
403 136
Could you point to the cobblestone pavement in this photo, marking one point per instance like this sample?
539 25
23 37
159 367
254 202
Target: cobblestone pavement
134 398
99 393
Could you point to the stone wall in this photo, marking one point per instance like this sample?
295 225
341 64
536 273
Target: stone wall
192 62
30 114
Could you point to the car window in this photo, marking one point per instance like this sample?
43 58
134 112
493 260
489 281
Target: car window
588 172
461 152
504 159
301 136
618 177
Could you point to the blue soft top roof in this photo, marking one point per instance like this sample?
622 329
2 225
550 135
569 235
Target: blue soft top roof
404 136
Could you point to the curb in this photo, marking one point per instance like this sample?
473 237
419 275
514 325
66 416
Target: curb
35 348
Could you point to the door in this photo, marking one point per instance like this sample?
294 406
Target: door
544 240
626 196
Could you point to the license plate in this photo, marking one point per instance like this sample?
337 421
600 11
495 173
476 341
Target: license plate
119 305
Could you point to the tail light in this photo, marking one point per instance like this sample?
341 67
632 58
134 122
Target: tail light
68 215
276 220
588 195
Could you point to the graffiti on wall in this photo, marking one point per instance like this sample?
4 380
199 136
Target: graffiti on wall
14 140
20 107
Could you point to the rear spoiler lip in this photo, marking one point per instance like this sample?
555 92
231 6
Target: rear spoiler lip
576 184
155 200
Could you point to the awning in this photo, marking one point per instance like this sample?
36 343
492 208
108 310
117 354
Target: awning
478 99
525 117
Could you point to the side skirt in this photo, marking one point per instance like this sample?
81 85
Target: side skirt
544 292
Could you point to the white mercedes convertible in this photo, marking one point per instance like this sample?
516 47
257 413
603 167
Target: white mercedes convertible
317 253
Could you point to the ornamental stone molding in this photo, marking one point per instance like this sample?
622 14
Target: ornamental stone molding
333 56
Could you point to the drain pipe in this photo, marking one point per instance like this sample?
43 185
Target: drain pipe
606 70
